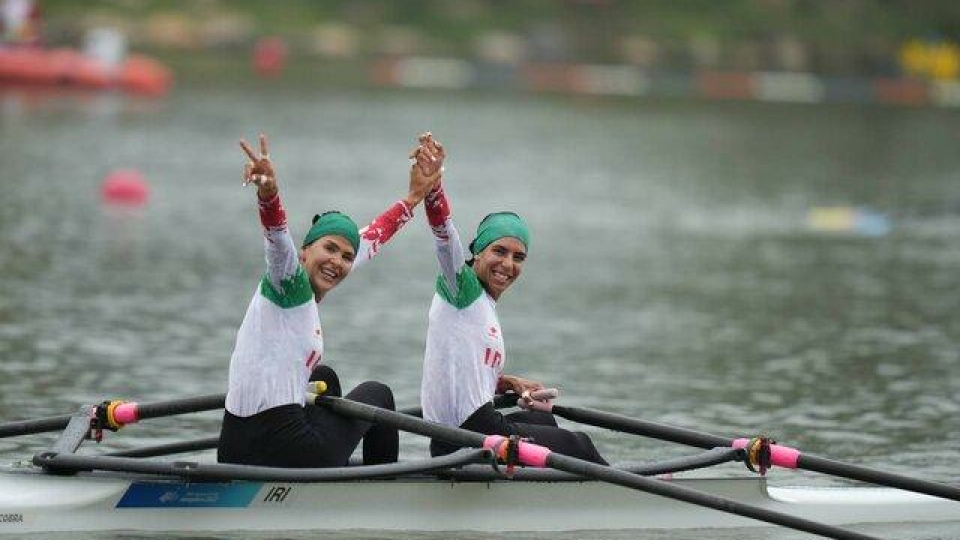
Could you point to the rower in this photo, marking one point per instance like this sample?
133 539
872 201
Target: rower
463 365
279 345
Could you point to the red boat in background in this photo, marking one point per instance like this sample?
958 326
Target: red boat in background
103 63
69 67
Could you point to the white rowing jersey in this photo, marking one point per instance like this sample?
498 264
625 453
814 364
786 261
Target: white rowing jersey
464 356
280 340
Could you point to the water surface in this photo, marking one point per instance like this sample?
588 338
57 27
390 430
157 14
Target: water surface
672 274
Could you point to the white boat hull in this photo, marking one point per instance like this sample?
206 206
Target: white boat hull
36 502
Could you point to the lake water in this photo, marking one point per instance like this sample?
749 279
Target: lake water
673 273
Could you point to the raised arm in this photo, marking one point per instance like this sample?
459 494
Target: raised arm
384 226
450 254
280 250
430 157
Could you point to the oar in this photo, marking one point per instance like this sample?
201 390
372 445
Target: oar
783 456
196 445
539 456
122 413
131 412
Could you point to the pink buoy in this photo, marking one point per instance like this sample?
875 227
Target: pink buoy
125 186
269 57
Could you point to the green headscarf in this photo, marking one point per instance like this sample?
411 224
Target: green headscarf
333 223
498 225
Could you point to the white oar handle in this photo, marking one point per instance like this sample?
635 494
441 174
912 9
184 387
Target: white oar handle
538 400
544 394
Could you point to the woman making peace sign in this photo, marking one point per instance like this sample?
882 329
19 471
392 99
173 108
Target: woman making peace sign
279 346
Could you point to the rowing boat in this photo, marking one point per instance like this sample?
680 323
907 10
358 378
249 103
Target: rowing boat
34 501
491 485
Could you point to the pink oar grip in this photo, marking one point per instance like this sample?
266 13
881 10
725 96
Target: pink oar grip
531 454
491 442
784 456
781 456
126 413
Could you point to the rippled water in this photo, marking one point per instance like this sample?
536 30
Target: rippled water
672 273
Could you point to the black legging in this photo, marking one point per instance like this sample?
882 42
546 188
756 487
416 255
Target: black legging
540 427
295 436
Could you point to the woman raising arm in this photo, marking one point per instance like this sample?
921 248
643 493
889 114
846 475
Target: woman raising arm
465 354
279 345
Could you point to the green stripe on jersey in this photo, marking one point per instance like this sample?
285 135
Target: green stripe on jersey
294 291
468 288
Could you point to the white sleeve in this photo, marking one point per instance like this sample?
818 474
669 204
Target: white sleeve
449 253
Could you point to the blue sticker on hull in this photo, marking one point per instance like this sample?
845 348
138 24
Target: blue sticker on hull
200 495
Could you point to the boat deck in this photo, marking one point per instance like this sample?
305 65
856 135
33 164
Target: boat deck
33 501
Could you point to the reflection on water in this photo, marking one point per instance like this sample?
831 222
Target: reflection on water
672 274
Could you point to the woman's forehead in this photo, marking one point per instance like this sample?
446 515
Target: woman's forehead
340 242
509 243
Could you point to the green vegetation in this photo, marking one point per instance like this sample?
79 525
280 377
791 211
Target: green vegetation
849 36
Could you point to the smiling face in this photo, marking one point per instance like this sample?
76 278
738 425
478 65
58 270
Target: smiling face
327 261
500 264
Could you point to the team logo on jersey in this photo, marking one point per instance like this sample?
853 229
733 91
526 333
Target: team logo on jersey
493 331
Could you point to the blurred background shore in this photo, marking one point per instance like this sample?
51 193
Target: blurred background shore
888 51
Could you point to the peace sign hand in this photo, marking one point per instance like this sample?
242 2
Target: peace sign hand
259 170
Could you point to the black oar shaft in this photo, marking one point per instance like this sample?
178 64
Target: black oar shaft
636 426
664 489
144 410
207 443
810 462
461 437
181 406
195 445
156 410
38 425
865 474
403 422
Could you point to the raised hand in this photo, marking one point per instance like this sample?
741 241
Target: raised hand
430 154
426 170
259 170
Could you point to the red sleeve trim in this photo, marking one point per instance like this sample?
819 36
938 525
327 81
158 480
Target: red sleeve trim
384 226
272 214
438 208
